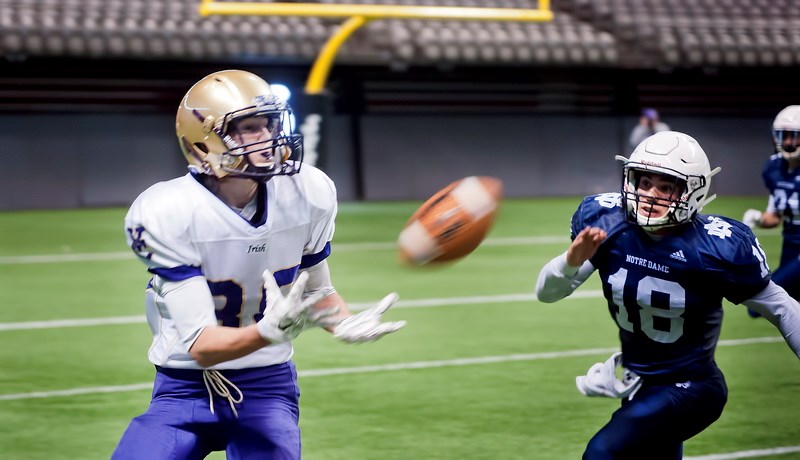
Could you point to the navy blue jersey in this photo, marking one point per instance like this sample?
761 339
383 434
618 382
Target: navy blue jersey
784 187
666 294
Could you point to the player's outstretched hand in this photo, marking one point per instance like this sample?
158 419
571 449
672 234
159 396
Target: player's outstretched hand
601 380
585 245
752 217
286 317
366 326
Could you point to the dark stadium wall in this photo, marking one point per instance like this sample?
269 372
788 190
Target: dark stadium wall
92 160
84 160
413 156
405 156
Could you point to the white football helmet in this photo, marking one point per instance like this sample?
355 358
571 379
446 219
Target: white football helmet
213 105
787 123
677 156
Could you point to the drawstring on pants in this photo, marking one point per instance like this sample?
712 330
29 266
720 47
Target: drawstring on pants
214 380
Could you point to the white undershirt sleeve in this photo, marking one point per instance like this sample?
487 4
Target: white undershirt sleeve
319 279
189 304
771 208
557 279
774 304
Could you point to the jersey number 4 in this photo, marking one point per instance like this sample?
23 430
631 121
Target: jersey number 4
660 305
784 201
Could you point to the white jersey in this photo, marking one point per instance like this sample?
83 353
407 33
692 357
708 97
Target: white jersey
180 230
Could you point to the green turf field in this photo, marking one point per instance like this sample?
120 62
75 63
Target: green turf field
478 372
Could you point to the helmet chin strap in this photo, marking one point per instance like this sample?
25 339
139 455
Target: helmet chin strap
655 223
709 198
260 173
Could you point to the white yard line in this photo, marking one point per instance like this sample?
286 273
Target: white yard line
338 247
58 323
747 453
419 303
343 247
76 257
381 368
77 391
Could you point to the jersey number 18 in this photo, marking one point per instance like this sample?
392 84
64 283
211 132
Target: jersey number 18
655 298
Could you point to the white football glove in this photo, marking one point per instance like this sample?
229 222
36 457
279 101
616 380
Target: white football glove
286 317
752 218
601 380
366 325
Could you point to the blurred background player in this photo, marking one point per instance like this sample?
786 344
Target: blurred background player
219 242
665 270
649 124
782 178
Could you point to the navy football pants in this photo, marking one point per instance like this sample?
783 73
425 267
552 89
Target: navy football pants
660 417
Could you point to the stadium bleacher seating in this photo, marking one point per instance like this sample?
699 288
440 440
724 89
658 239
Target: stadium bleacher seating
601 33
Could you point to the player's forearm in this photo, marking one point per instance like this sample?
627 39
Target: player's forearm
217 344
774 304
334 300
557 279
319 280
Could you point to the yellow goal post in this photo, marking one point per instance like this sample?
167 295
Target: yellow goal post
316 116
358 15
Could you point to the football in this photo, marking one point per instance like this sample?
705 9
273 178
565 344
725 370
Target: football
451 223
